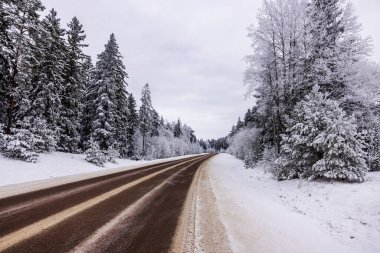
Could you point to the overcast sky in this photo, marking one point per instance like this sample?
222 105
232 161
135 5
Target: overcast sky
190 52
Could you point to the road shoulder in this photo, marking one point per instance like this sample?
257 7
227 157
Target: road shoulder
200 228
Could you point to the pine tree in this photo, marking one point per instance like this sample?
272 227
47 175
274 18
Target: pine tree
336 45
239 125
88 104
193 138
177 129
108 127
326 26
322 142
154 132
21 21
145 116
132 124
94 154
4 62
73 90
47 73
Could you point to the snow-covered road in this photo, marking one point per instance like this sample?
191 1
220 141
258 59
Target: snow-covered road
263 215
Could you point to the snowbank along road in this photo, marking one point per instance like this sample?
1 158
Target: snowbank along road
131 211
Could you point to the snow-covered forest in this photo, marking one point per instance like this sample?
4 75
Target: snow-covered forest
317 112
52 97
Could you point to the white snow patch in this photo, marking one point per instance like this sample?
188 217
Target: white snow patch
54 165
264 215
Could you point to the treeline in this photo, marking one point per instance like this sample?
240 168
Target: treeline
53 98
317 114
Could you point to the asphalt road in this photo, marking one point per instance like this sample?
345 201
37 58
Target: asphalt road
131 211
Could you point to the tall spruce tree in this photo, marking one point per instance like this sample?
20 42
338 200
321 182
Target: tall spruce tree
145 116
110 98
21 22
131 124
73 90
325 27
336 45
89 104
4 61
177 129
47 74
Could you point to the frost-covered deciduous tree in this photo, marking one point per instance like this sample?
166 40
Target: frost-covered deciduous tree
245 145
321 141
277 67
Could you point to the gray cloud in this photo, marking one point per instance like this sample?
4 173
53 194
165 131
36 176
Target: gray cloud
190 52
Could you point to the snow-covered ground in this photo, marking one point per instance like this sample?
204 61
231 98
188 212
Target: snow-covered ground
54 165
264 215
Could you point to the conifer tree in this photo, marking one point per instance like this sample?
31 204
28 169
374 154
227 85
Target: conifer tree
154 132
21 22
177 129
88 104
73 90
322 142
335 45
145 116
4 62
131 124
110 100
47 74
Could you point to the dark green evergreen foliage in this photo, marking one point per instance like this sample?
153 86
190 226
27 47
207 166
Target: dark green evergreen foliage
177 129
145 115
88 104
132 124
74 89
322 142
155 124
193 138
47 72
21 22
218 144
4 61
326 27
110 98
53 98
239 125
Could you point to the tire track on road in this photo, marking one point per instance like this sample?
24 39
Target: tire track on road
56 232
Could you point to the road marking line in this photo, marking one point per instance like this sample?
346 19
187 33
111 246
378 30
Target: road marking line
73 190
86 245
178 243
37 227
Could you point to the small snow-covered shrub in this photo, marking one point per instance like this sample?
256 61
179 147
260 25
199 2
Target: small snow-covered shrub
43 136
20 146
268 160
111 154
321 142
95 155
